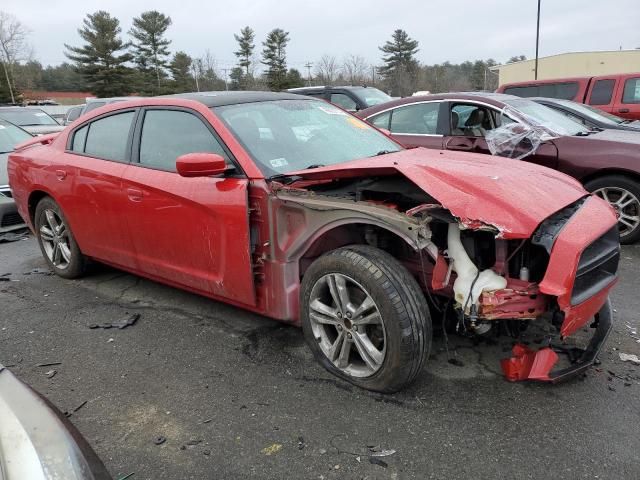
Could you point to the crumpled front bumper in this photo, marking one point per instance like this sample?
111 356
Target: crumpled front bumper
526 364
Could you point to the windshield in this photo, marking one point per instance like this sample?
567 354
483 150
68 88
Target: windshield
287 135
372 96
10 136
550 119
27 117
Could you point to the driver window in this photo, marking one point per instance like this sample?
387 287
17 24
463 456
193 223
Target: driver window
470 120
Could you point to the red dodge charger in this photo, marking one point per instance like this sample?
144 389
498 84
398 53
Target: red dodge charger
292 208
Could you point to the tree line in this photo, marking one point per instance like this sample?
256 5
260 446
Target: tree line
108 63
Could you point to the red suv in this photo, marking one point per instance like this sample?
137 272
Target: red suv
617 94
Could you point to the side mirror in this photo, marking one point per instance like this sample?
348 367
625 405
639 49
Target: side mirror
200 164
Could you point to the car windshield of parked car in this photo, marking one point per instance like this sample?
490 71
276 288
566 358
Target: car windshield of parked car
287 135
539 115
27 117
372 96
10 136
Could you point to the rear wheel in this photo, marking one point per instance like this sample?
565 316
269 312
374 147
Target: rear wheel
624 196
56 240
365 318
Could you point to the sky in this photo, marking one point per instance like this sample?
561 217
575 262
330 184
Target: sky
453 30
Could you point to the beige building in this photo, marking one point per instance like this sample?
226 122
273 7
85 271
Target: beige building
575 64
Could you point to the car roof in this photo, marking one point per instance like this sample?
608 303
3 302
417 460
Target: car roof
495 99
331 87
218 99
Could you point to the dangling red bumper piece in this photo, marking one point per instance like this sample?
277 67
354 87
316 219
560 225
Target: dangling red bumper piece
527 364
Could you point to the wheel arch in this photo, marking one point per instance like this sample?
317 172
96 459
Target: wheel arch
635 176
32 202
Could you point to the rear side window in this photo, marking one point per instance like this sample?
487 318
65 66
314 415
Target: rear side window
79 138
107 137
419 118
631 91
524 92
167 134
602 92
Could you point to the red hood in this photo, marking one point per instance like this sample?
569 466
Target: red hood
512 195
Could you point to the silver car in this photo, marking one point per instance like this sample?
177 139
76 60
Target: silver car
32 119
10 136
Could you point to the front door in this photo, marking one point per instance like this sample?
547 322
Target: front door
191 232
470 122
413 125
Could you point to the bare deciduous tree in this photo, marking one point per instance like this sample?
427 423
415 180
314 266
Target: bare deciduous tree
327 69
355 69
13 47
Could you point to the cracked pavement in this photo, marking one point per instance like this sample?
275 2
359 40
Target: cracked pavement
239 396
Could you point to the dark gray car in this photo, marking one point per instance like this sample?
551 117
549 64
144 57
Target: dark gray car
33 120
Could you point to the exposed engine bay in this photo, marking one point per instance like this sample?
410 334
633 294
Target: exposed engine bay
491 284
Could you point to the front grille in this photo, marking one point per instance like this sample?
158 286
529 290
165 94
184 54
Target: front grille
598 266
11 219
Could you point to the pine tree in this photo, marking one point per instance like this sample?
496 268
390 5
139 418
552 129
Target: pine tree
180 67
98 60
150 49
294 79
245 48
275 58
400 65
237 77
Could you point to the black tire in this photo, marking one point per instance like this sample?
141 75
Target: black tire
620 182
77 261
401 305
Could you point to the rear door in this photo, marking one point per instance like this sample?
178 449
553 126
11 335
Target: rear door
601 93
97 154
414 125
627 103
345 101
192 232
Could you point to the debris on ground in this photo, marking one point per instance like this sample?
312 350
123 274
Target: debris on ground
194 442
208 420
626 357
206 452
124 323
372 450
301 443
159 440
272 449
50 364
14 236
68 414
377 461
51 373
40 271
456 362
126 476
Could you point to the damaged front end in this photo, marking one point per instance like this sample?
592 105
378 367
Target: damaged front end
557 269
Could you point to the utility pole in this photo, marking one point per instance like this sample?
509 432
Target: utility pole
195 76
373 76
537 42
308 66
226 86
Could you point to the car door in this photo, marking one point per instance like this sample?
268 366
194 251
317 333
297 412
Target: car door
344 101
469 122
413 125
96 155
628 97
192 232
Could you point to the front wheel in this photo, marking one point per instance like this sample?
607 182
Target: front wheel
365 318
623 194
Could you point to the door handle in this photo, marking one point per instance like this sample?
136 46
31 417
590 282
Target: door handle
623 110
61 174
134 194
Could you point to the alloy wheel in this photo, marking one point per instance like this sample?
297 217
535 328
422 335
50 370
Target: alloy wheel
347 325
55 240
627 207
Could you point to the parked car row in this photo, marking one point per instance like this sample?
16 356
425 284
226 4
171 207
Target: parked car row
293 208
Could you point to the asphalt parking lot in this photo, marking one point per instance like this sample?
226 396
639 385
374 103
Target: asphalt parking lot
236 395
